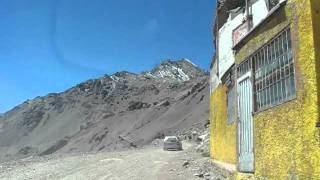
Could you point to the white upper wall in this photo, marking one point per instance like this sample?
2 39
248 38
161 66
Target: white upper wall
225 52
259 11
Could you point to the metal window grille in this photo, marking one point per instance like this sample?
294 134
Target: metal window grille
273 72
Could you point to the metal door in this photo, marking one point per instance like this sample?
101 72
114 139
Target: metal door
245 124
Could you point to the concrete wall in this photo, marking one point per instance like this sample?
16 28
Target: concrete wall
222 135
286 138
225 52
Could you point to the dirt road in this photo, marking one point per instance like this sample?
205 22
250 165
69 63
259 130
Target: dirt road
147 163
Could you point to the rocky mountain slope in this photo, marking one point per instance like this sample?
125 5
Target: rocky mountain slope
113 112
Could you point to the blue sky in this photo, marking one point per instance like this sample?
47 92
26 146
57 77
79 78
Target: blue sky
51 45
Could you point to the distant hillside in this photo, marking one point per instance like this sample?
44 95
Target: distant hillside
109 113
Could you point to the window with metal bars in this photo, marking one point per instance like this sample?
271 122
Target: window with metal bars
273 72
274 80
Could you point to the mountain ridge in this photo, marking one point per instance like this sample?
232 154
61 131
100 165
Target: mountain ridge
93 115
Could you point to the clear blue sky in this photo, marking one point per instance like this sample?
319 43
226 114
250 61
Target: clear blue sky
51 45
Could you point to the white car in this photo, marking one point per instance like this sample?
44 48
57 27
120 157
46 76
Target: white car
172 143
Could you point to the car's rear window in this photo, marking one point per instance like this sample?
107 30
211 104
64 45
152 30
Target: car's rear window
172 139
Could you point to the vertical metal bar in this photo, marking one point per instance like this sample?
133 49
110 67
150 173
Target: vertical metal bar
250 115
271 51
247 122
265 74
256 83
269 73
249 92
277 69
251 125
241 115
243 118
248 112
273 77
260 82
263 69
247 116
287 61
290 44
274 72
281 64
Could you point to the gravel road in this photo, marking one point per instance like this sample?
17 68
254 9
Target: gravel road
147 163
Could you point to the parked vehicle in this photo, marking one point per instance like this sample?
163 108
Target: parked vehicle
172 143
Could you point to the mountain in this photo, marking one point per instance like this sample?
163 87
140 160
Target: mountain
113 112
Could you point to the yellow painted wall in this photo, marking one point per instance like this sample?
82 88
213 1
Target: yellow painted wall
222 134
286 138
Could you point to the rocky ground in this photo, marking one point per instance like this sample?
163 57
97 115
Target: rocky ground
149 162
113 128
114 112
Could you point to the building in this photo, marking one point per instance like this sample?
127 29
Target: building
265 88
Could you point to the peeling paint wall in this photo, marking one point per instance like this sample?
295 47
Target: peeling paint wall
226 56
222 134
286 138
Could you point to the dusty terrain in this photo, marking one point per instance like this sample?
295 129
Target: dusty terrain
111 128
146 163
114 112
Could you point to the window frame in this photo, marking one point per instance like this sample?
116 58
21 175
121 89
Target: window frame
250 64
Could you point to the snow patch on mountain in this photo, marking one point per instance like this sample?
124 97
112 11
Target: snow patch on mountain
189 61
172 73
182 70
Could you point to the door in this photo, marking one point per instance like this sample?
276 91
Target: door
245 124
